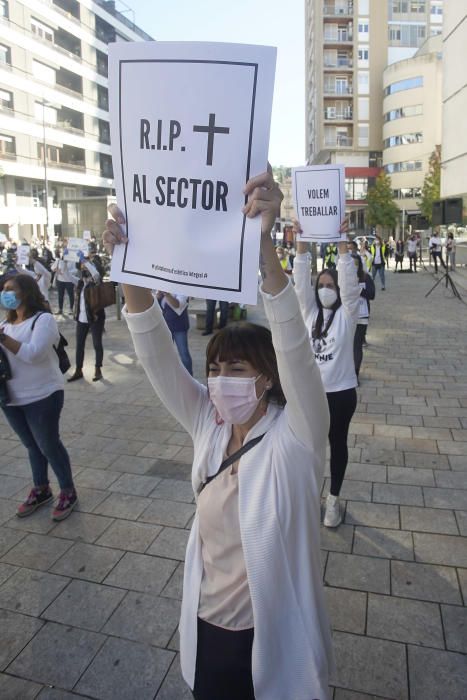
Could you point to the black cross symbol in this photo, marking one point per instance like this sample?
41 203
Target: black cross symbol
211 130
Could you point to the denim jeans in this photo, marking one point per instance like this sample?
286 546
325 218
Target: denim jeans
180 339
36 425
380 269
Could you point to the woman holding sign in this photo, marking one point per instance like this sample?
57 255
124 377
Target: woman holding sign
331 314
253 620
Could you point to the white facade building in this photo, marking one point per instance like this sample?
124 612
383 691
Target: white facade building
54 120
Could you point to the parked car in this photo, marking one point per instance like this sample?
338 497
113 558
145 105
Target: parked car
369 238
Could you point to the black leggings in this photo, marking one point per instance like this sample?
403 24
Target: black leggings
359 339
223 664
342 405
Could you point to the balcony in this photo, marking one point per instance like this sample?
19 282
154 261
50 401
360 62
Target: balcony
331 114
338 64
338 90
68 81
344 10
338 142
69 43
341 37
68 7
65 158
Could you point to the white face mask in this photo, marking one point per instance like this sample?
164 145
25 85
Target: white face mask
327 297
234 397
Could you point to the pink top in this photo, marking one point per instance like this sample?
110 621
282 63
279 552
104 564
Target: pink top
225 596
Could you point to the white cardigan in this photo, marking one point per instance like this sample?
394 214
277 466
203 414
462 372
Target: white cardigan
334 354
279 503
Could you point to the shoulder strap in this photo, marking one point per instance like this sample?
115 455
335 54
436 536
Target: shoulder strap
37 316
233 458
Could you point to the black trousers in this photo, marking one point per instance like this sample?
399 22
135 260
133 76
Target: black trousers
69 288
223 664
342 405
437 256
359 339
413 261
210 310
82 330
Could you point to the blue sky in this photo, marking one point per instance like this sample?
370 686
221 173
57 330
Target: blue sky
245 22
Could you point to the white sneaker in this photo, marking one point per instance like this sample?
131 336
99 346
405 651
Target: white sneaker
333 516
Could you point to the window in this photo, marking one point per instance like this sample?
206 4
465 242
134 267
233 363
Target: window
38 198
404 166
106 165
43 72
356 188
363 108
411 35
5 54
436 10
102 98
4 9
363 27
363 82
407 84
45 113
69 193
6 99
403 139
53 153
363 134
418 6
102 63
375 159
400 6
42 30
363 54
410 111
7 145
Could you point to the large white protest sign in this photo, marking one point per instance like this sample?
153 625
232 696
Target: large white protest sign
74 247
189 126
22 255
319 196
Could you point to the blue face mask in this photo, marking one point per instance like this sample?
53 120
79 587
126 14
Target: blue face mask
9 300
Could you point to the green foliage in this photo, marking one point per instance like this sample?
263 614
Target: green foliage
381 208
431 189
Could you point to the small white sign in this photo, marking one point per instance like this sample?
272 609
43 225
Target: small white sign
319 196
189 125
22 255
87 235
74 247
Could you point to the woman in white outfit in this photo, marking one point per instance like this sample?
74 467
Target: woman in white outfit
253 621
331 313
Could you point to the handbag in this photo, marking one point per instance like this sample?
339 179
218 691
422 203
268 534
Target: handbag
99 296
233 458
63 359
5 375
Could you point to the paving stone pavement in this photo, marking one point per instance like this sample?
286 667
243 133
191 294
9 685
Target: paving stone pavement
89 607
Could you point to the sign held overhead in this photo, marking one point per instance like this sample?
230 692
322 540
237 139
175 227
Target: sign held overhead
319 196
183 149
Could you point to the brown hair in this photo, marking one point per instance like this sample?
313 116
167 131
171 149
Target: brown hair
251 343
31 297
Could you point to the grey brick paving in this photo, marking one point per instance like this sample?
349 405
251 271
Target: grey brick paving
90 606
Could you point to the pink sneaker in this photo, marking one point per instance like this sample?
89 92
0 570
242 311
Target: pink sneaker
65 504
37 498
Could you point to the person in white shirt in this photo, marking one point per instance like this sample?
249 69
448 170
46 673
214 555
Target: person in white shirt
412 252
34 393
66 281
435 248
331 314
253 621
43 276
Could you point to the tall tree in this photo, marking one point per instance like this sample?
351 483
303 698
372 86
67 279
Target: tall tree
431 189
381 209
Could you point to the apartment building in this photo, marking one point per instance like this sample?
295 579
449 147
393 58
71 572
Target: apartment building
454 139
348 45
54 118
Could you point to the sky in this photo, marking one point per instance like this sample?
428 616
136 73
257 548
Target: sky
244 22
